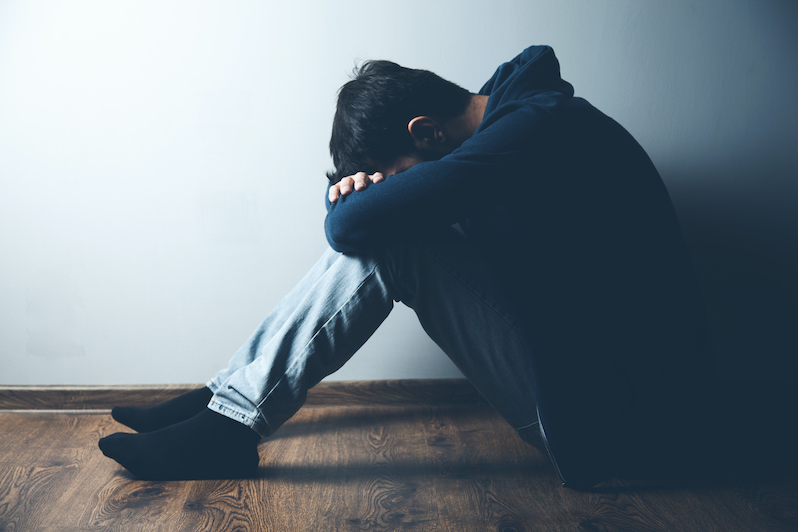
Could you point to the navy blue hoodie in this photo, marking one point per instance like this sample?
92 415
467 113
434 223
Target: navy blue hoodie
565 205
578 226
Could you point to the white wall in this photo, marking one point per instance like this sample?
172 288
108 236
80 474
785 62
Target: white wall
162 163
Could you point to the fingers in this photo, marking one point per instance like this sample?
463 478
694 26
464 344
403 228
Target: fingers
341 188
334 193
359 181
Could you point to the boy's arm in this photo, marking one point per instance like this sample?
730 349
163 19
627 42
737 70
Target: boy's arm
405 207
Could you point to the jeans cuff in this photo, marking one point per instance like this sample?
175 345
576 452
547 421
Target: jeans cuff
255 422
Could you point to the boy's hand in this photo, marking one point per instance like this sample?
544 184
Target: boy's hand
359 181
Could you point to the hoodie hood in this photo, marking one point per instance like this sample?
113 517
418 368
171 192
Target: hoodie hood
535 70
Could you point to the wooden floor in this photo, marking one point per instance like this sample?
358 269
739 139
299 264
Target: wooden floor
419 466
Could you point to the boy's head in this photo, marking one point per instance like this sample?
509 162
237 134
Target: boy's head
370 128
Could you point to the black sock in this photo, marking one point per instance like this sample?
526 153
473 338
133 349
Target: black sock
159 416
207 446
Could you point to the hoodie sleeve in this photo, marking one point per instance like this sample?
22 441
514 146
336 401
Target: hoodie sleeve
474 178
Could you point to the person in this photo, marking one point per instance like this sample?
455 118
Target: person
530 233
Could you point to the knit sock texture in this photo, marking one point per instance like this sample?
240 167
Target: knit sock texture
159 416
206 446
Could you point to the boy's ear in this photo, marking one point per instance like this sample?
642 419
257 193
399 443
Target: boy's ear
427 133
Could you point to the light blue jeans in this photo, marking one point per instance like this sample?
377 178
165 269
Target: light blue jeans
342 301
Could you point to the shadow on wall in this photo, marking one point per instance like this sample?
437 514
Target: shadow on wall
747 263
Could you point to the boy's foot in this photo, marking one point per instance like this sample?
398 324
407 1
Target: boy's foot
206 446
159 416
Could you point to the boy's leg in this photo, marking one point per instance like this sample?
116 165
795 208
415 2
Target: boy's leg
152 418
465 310
325 320
458 302
183 407
339 308
309 335
272 325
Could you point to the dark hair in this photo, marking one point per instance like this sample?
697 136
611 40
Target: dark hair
374 108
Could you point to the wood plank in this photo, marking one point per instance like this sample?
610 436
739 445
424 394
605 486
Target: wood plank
37 471
398 491
86 397
353 468
488 478
436 468
400 392
332 393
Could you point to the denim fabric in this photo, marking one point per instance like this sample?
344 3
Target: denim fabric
344 298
